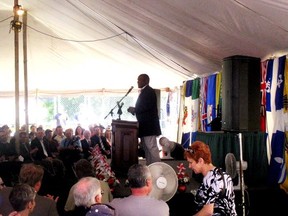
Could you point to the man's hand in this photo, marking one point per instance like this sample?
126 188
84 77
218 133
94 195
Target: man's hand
52 197
131 110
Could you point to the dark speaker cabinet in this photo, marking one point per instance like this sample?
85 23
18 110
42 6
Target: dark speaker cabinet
241 93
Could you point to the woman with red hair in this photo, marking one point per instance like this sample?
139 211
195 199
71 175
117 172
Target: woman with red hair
215 196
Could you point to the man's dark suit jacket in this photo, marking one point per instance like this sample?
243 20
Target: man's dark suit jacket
44 206
85 148
147 113
95 140
39 155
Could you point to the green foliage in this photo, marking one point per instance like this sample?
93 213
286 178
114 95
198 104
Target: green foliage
72 105
48 103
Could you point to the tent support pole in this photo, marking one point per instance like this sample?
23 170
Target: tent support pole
25 69
16 50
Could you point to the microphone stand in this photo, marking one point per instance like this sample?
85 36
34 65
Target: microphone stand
119 104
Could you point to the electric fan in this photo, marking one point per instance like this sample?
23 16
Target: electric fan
164 181
233 169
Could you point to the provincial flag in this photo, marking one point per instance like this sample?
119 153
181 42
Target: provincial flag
286 88
275 119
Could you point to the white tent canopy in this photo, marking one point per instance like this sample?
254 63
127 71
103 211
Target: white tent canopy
85 45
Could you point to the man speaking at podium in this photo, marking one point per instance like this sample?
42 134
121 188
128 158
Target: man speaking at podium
147 116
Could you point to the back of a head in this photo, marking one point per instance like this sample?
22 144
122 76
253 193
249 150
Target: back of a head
137 175
31 174
20 196
85 191
84 168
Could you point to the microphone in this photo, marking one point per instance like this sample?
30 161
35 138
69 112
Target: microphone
129 90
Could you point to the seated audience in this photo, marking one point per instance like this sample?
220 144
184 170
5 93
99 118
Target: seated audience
33 128
83 168
7 151
22 200
52 143
70 150
79 132
139 202
24 148
40 147
99 140
32 175
59 135
171 149
32 136
86 144
87 192
108 135
71 141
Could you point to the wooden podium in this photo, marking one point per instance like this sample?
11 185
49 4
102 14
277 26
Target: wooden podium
124 146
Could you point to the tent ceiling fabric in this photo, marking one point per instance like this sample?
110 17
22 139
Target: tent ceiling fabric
89 44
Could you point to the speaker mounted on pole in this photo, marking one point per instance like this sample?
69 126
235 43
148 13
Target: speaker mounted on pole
241 93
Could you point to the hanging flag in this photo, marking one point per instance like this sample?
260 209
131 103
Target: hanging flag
263 96
195 108
186 116
190 120
285 105
275 119
203 102
218 94
168 104
211 100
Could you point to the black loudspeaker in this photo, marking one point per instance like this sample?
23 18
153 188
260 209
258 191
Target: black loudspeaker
241 93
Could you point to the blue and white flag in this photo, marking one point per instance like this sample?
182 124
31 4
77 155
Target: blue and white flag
275 119
211 101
